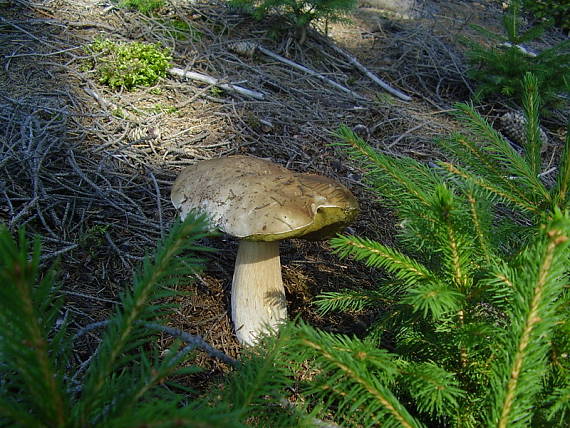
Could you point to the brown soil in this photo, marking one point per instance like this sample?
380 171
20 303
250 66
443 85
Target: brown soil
95 185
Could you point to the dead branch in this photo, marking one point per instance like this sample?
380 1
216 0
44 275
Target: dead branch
216 82
369 74
193 341
247 48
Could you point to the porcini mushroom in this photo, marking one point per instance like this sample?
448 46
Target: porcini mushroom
261 203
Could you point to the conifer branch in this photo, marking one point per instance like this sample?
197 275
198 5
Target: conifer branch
434 389
501 153
193 341
456 249
479 225
455 258
435 299
533 142
492 312
522 203
19 415
122 330
538 319
23 338
377 163
375 254
382 395
349 300
561 190
36 339
131 394
470 154
560 399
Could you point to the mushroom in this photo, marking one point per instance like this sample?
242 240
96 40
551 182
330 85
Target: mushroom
261 203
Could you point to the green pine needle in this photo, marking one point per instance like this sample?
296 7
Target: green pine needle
377 255
517 375
355 376
24 347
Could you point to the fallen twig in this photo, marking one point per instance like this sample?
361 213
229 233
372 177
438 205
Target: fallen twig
519 47
369 74
213 81
245 48
193 340
97 97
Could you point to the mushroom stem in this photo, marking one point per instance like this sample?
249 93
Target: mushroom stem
258 295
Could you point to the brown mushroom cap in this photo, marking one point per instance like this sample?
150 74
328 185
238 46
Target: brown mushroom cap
255 199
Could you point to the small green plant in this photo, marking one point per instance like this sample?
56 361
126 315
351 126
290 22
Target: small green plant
216 92
472 325
143 6
128 65
120 113
499 69
163 108
300 14
556 10
127 381
93 237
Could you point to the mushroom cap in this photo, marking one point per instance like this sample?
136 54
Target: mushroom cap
258 200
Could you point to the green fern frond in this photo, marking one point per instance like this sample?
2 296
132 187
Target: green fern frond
377 255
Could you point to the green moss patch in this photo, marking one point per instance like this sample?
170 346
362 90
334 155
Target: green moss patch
128 65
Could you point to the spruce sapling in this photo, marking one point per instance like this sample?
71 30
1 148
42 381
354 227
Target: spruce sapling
468 307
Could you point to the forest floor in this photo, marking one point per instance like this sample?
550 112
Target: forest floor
95 184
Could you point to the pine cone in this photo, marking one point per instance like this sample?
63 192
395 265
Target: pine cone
143 133
513 126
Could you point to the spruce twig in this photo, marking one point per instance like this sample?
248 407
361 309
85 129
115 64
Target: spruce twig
393 91
23 339
136 307
518 374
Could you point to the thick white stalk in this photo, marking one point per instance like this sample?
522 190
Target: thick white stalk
258 295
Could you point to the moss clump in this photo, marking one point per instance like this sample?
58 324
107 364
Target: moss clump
143 6
128 65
